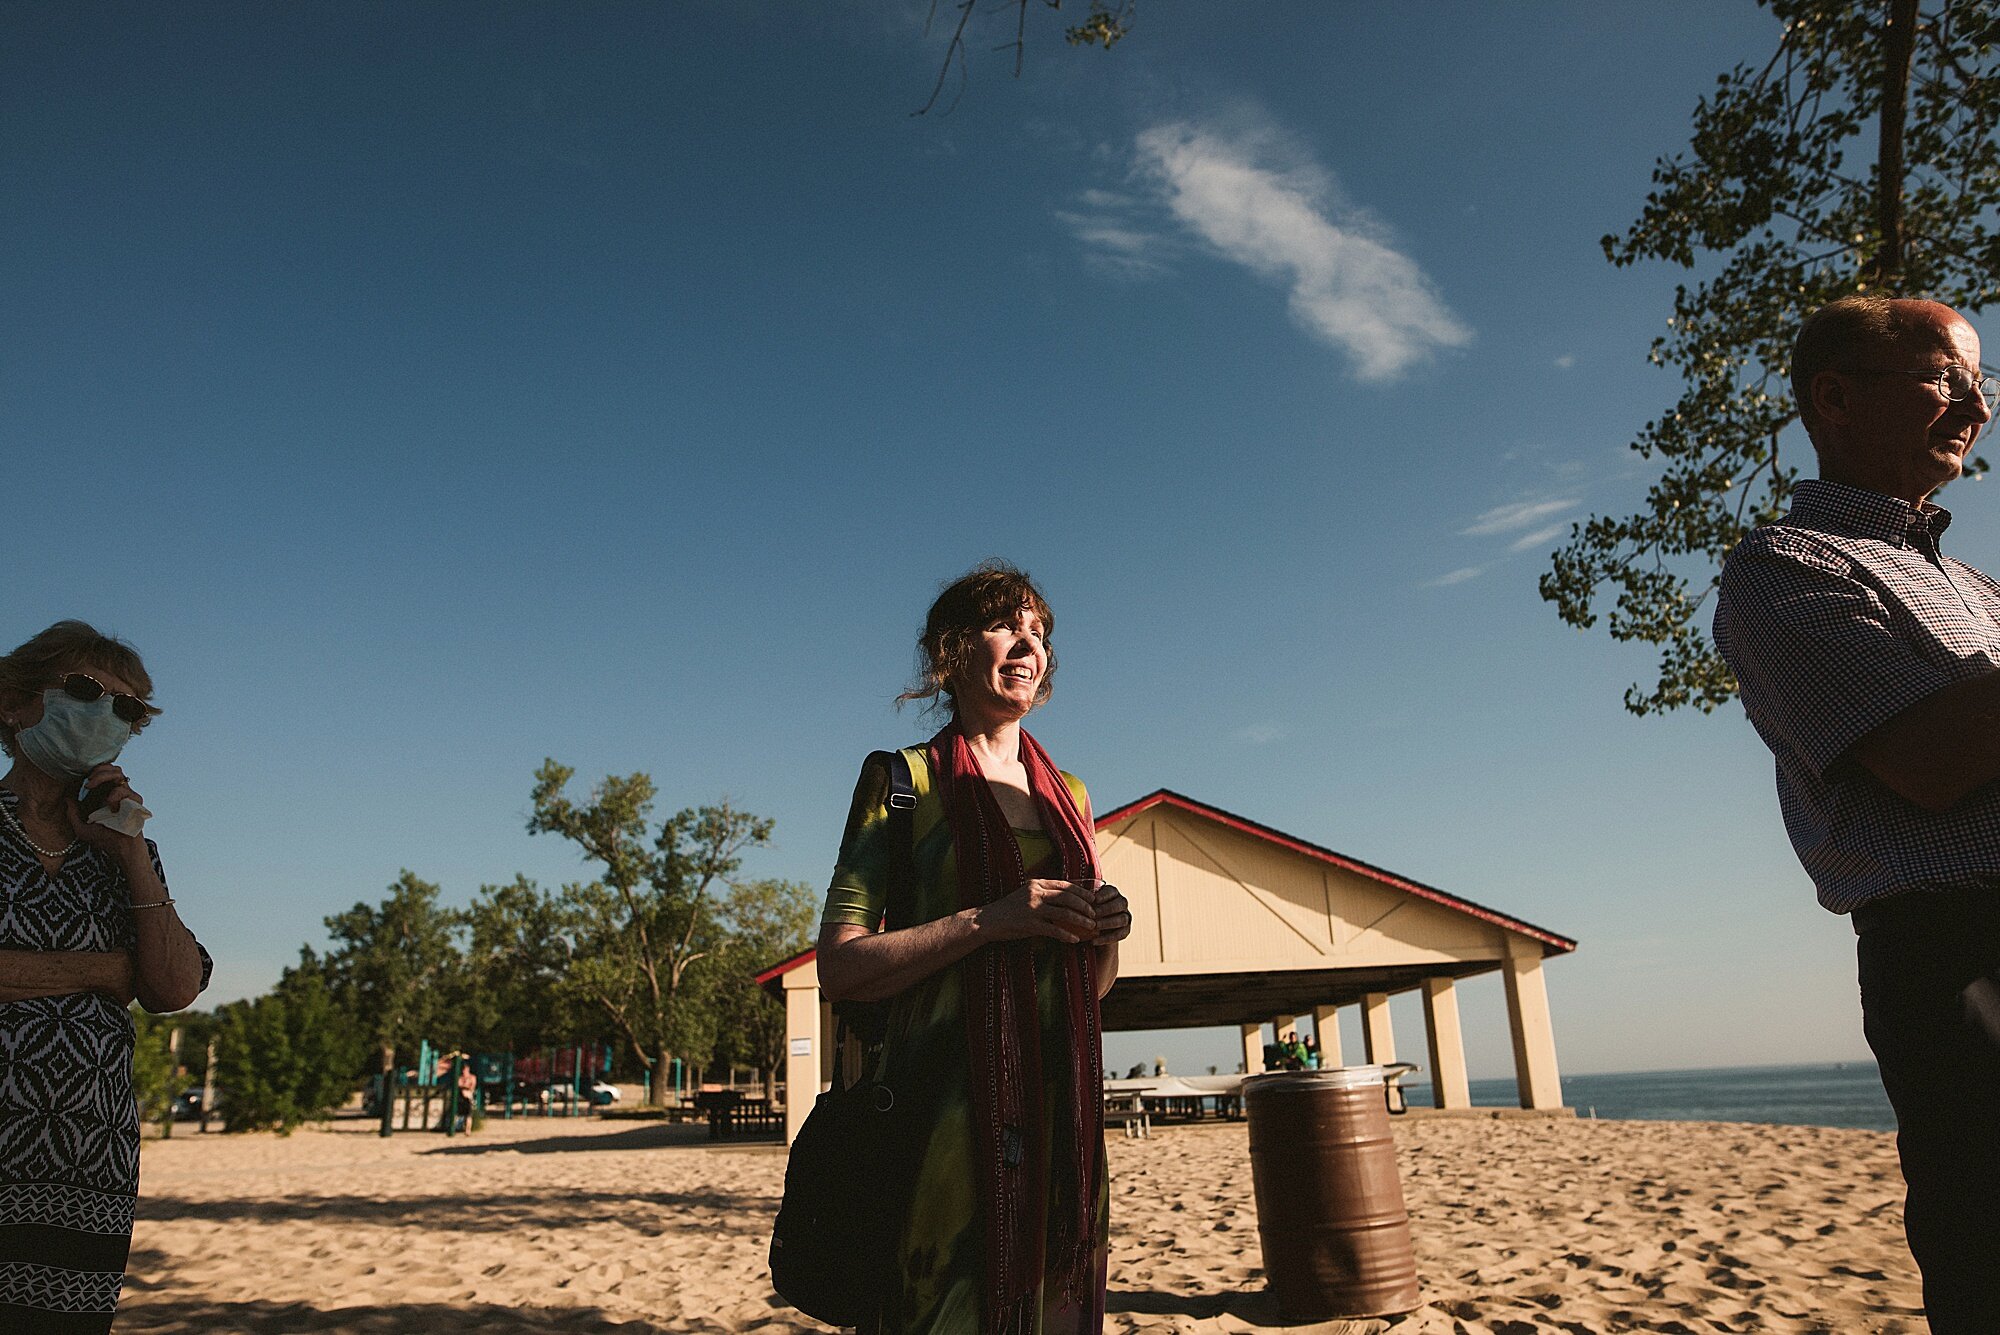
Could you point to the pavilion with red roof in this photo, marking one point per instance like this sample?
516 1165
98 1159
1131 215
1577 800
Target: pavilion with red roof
1235 923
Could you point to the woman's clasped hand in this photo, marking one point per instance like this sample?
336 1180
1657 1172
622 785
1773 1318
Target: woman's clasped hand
1071 911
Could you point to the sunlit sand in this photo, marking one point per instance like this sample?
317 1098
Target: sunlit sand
533 1225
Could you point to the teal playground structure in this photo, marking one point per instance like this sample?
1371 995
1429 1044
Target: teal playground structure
549 1082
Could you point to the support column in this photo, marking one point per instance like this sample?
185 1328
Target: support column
1253 1049
1326 1029
1534 1035
802 1049
1376 1035
1447 1046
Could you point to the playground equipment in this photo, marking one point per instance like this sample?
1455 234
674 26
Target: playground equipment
556 1082
551 1082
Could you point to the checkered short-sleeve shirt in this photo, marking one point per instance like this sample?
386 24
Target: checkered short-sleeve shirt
1835 619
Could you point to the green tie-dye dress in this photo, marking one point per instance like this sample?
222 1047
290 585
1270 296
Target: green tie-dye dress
940 1262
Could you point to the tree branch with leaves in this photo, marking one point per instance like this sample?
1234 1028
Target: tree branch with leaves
1766 200
1105 25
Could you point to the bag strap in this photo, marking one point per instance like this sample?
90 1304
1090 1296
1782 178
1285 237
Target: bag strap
867 1020
902 895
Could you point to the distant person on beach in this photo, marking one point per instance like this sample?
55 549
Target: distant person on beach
86 925
993 985
1870 664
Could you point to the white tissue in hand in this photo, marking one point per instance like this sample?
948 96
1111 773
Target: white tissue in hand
128 817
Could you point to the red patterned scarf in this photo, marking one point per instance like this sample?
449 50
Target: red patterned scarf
1003 1037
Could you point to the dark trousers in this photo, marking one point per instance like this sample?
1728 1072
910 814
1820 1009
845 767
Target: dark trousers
1930 1005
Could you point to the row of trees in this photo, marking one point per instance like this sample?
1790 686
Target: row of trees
654 955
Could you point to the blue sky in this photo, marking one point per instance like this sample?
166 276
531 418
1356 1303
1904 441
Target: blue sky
430 389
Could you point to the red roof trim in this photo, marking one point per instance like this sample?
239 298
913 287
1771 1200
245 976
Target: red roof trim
1167 797
784 967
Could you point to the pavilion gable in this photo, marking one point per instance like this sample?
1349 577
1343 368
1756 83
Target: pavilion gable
1210 891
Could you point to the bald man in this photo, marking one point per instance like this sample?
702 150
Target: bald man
1869 662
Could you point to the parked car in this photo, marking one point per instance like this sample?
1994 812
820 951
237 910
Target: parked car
187 1105
597 1094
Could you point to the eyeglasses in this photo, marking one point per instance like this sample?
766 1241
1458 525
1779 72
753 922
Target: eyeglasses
82 686
1954 382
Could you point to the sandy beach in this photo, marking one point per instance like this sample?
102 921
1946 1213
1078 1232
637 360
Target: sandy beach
530 1226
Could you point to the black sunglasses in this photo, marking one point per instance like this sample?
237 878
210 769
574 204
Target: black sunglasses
82 686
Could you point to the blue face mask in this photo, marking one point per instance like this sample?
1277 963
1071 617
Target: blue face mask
74 736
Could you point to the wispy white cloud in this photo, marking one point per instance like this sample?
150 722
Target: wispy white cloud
1258 200
1249 193
1115 243
1538 537
1567 360
1517 515
1458 576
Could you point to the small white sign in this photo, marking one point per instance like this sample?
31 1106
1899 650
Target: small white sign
802 1047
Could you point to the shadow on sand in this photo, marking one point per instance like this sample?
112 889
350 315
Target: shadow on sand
651 1213
1151 1302
194 1316
649 1136
1246 1310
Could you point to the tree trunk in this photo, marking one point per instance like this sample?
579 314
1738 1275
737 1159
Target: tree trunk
656 1088
208 1085
1899 40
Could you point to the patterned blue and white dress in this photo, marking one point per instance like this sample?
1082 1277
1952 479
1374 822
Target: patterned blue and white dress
69 1125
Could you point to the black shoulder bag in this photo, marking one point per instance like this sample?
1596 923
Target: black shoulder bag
847 1183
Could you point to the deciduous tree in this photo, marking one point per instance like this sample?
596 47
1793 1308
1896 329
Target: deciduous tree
768 921
645 933
289 1056
396 970
517 958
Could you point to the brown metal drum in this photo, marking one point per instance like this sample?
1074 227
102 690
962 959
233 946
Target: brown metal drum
1330 1212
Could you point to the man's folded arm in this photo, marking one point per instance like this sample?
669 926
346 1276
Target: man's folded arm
1939 749
1827 671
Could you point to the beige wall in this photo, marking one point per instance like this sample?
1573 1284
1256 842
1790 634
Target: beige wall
1207 898
806 1072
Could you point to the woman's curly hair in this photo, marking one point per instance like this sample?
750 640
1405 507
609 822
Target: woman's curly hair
991 591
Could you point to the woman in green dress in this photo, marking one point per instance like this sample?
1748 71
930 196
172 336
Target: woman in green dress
992 984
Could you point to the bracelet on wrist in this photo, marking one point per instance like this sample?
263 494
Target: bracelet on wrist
156 904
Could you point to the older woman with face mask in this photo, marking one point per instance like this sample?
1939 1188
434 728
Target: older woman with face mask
86 926
1006 942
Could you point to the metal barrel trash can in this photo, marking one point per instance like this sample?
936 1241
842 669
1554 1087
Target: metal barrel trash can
1330 1214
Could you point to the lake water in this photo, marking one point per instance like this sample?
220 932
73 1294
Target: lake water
1838 1094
